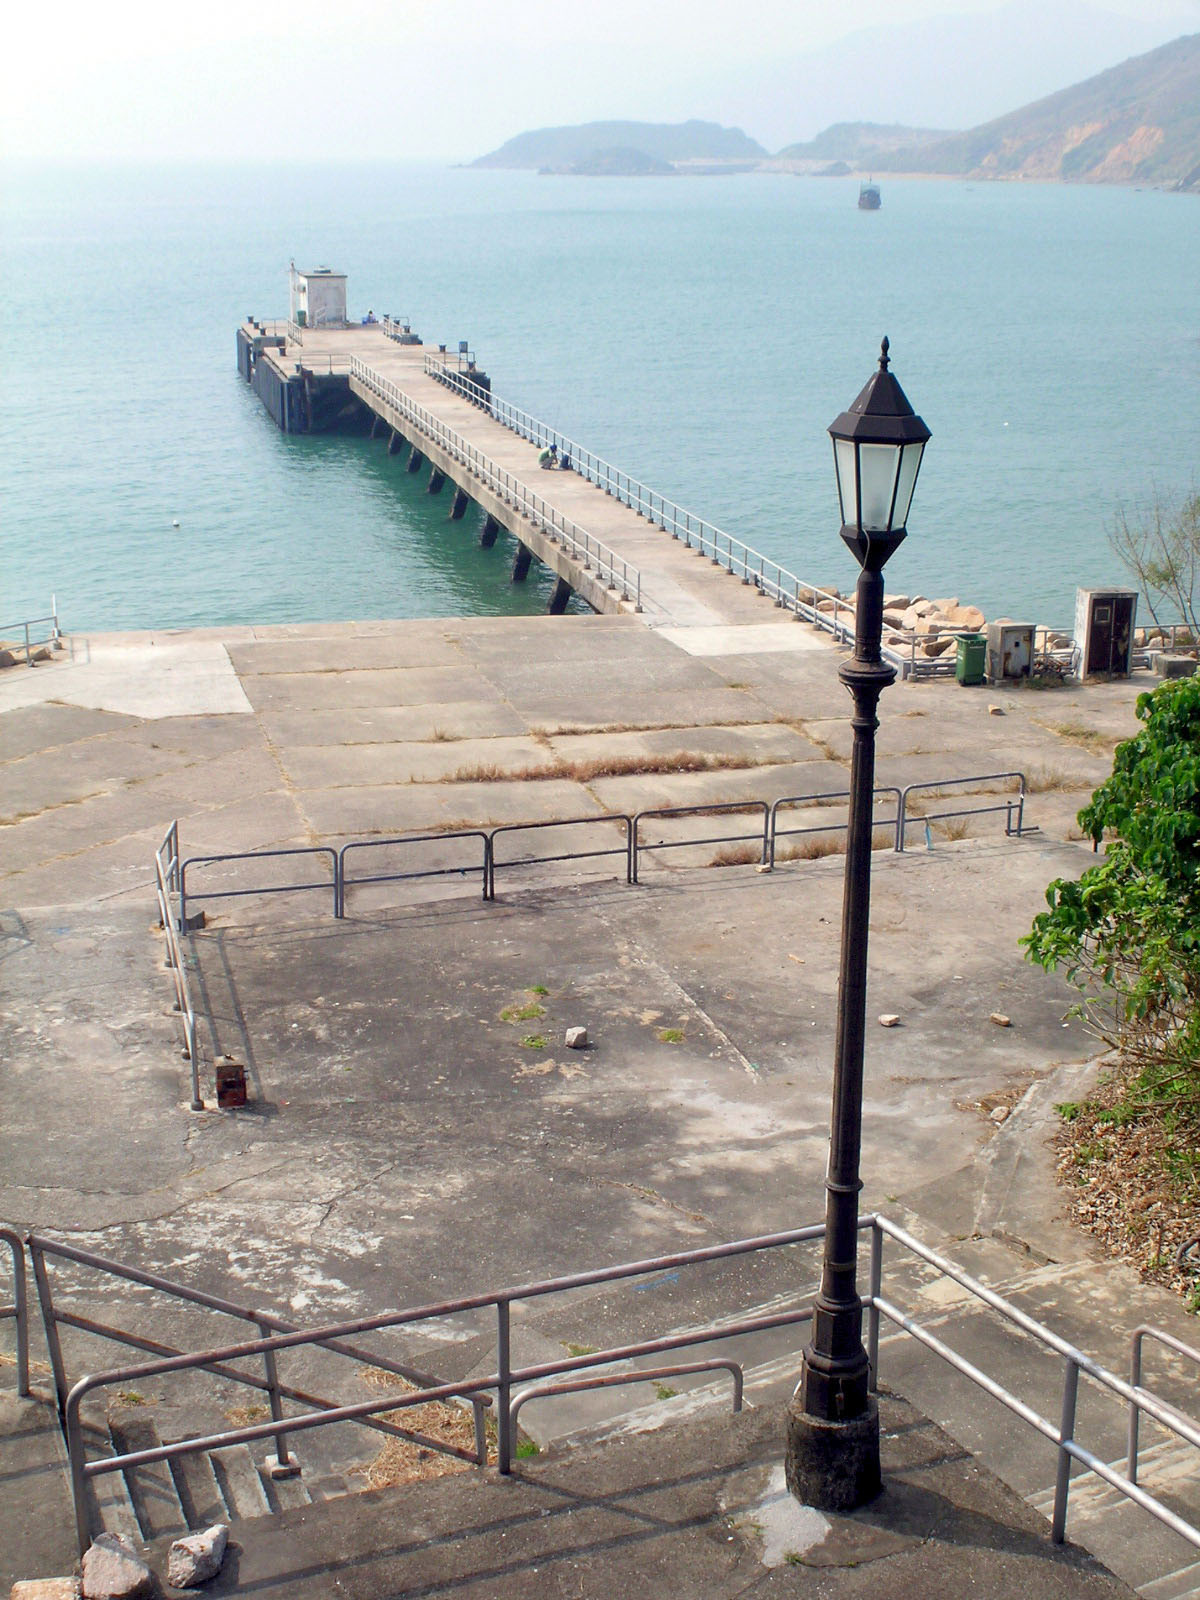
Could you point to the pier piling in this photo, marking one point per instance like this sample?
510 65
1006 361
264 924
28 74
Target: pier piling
520 567
459 504
491 528
436 479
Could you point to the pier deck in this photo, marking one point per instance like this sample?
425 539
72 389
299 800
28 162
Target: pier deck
675 585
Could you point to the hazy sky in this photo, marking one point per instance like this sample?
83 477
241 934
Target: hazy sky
449 79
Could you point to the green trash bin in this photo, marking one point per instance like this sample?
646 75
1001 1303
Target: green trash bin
970 662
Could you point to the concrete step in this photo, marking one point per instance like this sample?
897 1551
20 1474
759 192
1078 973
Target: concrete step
240 1484
33 1474
152 1489
198 1490
109 1506
284 1494
1183 1584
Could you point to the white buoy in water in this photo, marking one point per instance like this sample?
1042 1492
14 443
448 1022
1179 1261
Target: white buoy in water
175 524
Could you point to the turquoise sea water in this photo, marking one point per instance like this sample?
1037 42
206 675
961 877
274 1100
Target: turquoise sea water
701 333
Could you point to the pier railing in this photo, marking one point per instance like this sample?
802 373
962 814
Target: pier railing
612 569
823 608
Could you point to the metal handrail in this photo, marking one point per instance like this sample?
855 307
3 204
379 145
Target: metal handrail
331 1336
619 574
610 1380
776 832
177 894
1137 1339
27 623
19 1310
174 960
1061 1434
971 811
717 808
257 855
626 850
428 872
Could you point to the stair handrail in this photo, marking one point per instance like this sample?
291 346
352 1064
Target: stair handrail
19 1310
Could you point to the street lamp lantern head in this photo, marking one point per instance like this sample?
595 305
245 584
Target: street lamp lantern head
877 449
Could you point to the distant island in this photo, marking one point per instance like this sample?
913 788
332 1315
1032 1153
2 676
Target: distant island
1137 123
666 143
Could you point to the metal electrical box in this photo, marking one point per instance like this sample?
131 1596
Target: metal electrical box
1104 620
1009 649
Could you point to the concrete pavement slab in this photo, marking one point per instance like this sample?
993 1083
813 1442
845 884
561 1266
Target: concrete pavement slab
439 761
374 686
464 719
191 677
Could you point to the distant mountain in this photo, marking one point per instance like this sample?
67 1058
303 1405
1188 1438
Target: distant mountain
1136 123
943 71
562 148
860 142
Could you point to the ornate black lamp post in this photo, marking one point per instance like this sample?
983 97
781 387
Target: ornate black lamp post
833 1420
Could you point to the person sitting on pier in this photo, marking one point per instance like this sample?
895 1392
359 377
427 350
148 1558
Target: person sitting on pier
548 458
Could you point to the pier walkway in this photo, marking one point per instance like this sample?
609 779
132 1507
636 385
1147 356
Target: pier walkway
610 553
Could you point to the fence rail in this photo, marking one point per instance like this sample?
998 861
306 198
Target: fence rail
514 1386
764 839
28 627
612 569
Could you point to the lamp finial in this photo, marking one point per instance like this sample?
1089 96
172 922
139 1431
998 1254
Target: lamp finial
883 354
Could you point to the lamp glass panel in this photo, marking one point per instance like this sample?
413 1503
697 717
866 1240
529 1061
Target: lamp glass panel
909 463
843 458
877 472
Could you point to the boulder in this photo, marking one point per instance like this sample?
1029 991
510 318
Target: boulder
968 618
198 1557
928 625
896 602
113 1570
933 648
576 1038
892 617
1000 1019
948 605
45 1589
889 1019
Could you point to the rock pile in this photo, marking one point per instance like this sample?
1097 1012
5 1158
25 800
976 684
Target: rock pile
932 625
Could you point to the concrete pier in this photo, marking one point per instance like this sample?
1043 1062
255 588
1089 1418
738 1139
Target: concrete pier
673 584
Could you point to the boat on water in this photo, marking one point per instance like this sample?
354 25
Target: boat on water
869 198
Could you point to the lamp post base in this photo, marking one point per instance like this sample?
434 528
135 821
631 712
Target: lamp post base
833 1466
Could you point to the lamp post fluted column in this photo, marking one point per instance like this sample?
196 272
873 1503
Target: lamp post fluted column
833 1420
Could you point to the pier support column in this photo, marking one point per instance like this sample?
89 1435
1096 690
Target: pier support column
415 460
374 424
490 529
520 567
436 480
558 600
395 443
459 504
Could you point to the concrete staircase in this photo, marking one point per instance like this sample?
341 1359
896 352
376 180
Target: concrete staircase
170 1498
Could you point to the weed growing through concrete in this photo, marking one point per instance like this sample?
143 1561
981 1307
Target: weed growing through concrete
1079 733
527 1448
1044 780
408 1460
614 766
129 1397
529 1012
664 1391
244 1416
737 855
671 1035
579 1349
533 1041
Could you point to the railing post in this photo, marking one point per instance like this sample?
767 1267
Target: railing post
50 1328
75 1457
901 820
283 1465
504 1441
876 1289
1135 1411
1066 1433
